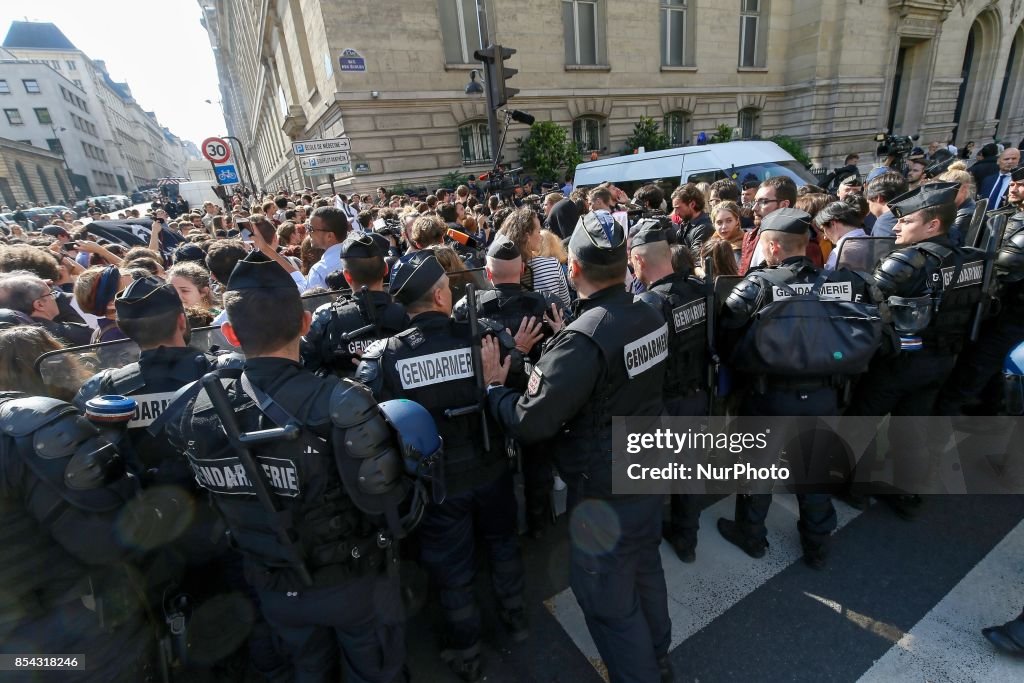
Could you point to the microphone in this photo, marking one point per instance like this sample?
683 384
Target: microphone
522 117
462 238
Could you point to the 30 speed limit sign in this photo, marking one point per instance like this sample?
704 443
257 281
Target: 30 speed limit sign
216 150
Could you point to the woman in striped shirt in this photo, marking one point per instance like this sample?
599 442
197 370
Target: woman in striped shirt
542 273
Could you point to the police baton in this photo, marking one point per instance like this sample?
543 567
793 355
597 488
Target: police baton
280 520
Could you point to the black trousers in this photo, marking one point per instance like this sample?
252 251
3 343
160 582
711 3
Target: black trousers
979 365
684 515
448 551
360 618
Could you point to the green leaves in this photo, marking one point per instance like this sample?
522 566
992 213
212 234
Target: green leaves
547 150
647 134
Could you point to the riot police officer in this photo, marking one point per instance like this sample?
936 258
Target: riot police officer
71 523
150 313
509 303
775 390
431 363
932 286
680 298
610 361
978 366
342 330
320 565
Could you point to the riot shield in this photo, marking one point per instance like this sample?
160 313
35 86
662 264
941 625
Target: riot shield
311 302
863 253
69 368
208 338
974 236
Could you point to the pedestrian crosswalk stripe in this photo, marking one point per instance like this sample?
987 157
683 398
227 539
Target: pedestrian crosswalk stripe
722 575
946 644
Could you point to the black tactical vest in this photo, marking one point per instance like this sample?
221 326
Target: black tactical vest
634 344
301 473
1011 294
152 382
681 300
343 329
954 277
431 363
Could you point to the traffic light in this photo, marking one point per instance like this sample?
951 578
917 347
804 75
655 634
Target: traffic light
497 72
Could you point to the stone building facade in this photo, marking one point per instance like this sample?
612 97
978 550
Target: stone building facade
831 73
30 176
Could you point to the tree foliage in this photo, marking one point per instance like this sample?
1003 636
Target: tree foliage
722 134
794 147
452 179
547 150
647 134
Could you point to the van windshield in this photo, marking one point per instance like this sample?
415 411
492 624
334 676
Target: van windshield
759 172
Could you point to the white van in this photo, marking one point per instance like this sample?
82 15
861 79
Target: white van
670 168
198 191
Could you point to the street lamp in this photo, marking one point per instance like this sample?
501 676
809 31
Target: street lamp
474 86
60 148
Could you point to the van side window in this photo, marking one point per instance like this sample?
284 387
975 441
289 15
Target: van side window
709 176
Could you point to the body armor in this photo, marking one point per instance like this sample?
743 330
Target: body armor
342 330
681 300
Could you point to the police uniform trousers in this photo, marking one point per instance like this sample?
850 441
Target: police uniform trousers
817 514
684 509
905 385
980 365
361 617
448 551
616 575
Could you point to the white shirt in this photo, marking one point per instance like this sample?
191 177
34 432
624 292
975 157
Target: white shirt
328 263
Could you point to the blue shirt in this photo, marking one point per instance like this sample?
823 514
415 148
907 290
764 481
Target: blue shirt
328 263
883 225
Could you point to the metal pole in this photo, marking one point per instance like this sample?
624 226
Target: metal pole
245 160
492 116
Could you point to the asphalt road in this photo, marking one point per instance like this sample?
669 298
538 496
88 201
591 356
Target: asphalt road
898 601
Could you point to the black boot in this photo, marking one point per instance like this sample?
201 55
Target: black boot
905 506
665 669
1009 637
516 623
731 532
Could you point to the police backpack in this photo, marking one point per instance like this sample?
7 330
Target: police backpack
808 334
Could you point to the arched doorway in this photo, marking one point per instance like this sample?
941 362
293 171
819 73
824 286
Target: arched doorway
974 98
30 191
1008 109
46 185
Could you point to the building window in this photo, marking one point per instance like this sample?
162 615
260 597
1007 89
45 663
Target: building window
54 145
460 30
78 83
29 190
677 33
43 115
13 117
63 188
31 85
678 128
752 18
46 185
582 25
586 133
72 66
475 142
4 88
749 122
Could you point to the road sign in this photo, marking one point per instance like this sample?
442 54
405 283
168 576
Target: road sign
321 146
217 150
327 170
362 167
227 174
324 160
351 60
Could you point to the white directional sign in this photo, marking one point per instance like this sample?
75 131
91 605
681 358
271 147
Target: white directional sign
327 170
321 146
335 159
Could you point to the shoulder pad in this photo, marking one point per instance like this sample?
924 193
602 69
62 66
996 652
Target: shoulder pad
375 350
127 380
1010 258
56 427
651 298
490 326
94 386
743 298
226 360
412 337
899 268
351 404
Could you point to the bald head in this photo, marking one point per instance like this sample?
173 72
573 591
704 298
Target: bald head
504 271
651 262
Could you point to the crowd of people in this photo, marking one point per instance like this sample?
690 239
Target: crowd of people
509 325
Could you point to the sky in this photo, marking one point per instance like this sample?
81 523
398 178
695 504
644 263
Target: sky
157 46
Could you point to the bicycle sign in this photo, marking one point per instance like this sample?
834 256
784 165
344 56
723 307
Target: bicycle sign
227 174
